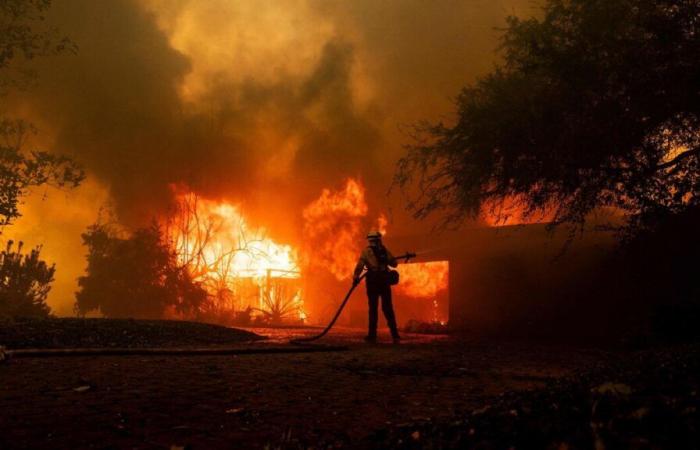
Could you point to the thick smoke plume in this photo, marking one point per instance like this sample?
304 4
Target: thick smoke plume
261 103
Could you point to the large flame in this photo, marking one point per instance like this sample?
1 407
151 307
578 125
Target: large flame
214 238
333 228
216 244
241 267
423 280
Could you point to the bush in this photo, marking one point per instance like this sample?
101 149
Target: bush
25 282
136 276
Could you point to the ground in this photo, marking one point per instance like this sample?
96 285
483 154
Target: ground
369 395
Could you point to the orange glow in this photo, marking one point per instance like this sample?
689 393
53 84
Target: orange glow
333 228
212 235
423 280
216 244
382 223
241 267
513 211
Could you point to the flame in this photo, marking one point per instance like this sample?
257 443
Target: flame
216 244
333 228
241 267
214 237
423 280
382 224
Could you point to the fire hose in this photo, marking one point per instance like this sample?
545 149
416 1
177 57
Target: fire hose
332 322
301 341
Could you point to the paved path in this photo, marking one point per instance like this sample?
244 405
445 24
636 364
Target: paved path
251 401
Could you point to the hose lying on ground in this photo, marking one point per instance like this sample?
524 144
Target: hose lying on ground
405 257
332 322
109 351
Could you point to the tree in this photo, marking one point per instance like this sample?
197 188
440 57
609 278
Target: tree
596 104
19 171
25 282
25 36
135 276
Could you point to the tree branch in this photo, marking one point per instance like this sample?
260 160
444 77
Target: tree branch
678 158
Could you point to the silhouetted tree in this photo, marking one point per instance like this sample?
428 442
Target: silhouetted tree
25 36
596 104
135 276
19 171
25 281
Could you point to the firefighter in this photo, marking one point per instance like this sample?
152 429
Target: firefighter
377 259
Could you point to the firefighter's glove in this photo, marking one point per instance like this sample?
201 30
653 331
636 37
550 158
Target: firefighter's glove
355 281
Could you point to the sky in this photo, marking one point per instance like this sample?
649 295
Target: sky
259 103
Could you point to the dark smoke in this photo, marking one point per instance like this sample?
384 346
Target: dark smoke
270 143
116 105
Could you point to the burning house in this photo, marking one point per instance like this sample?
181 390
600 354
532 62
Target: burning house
249 276
488 279
244 271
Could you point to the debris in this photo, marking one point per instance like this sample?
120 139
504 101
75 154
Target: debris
476 412
235 410
416 326
612 389
650 402
640 413
82 388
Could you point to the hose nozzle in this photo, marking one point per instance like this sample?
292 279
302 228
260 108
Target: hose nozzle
406 256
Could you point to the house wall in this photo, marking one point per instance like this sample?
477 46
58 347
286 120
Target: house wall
522 280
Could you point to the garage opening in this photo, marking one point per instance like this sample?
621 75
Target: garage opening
422 297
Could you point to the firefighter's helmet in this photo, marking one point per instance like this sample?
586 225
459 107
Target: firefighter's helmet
374 235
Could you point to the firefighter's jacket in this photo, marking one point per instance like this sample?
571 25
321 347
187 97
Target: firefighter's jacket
369 260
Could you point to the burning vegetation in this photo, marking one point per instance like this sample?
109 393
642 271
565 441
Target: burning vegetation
213 265
245 273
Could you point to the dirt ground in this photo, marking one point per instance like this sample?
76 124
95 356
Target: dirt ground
255 401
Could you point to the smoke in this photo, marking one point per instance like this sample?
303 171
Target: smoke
121 107
262 103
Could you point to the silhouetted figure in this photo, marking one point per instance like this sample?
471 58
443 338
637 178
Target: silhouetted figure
377 259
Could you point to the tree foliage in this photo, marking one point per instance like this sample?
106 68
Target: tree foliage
24 36
25 279
595 104
135 276
20 171
25 282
